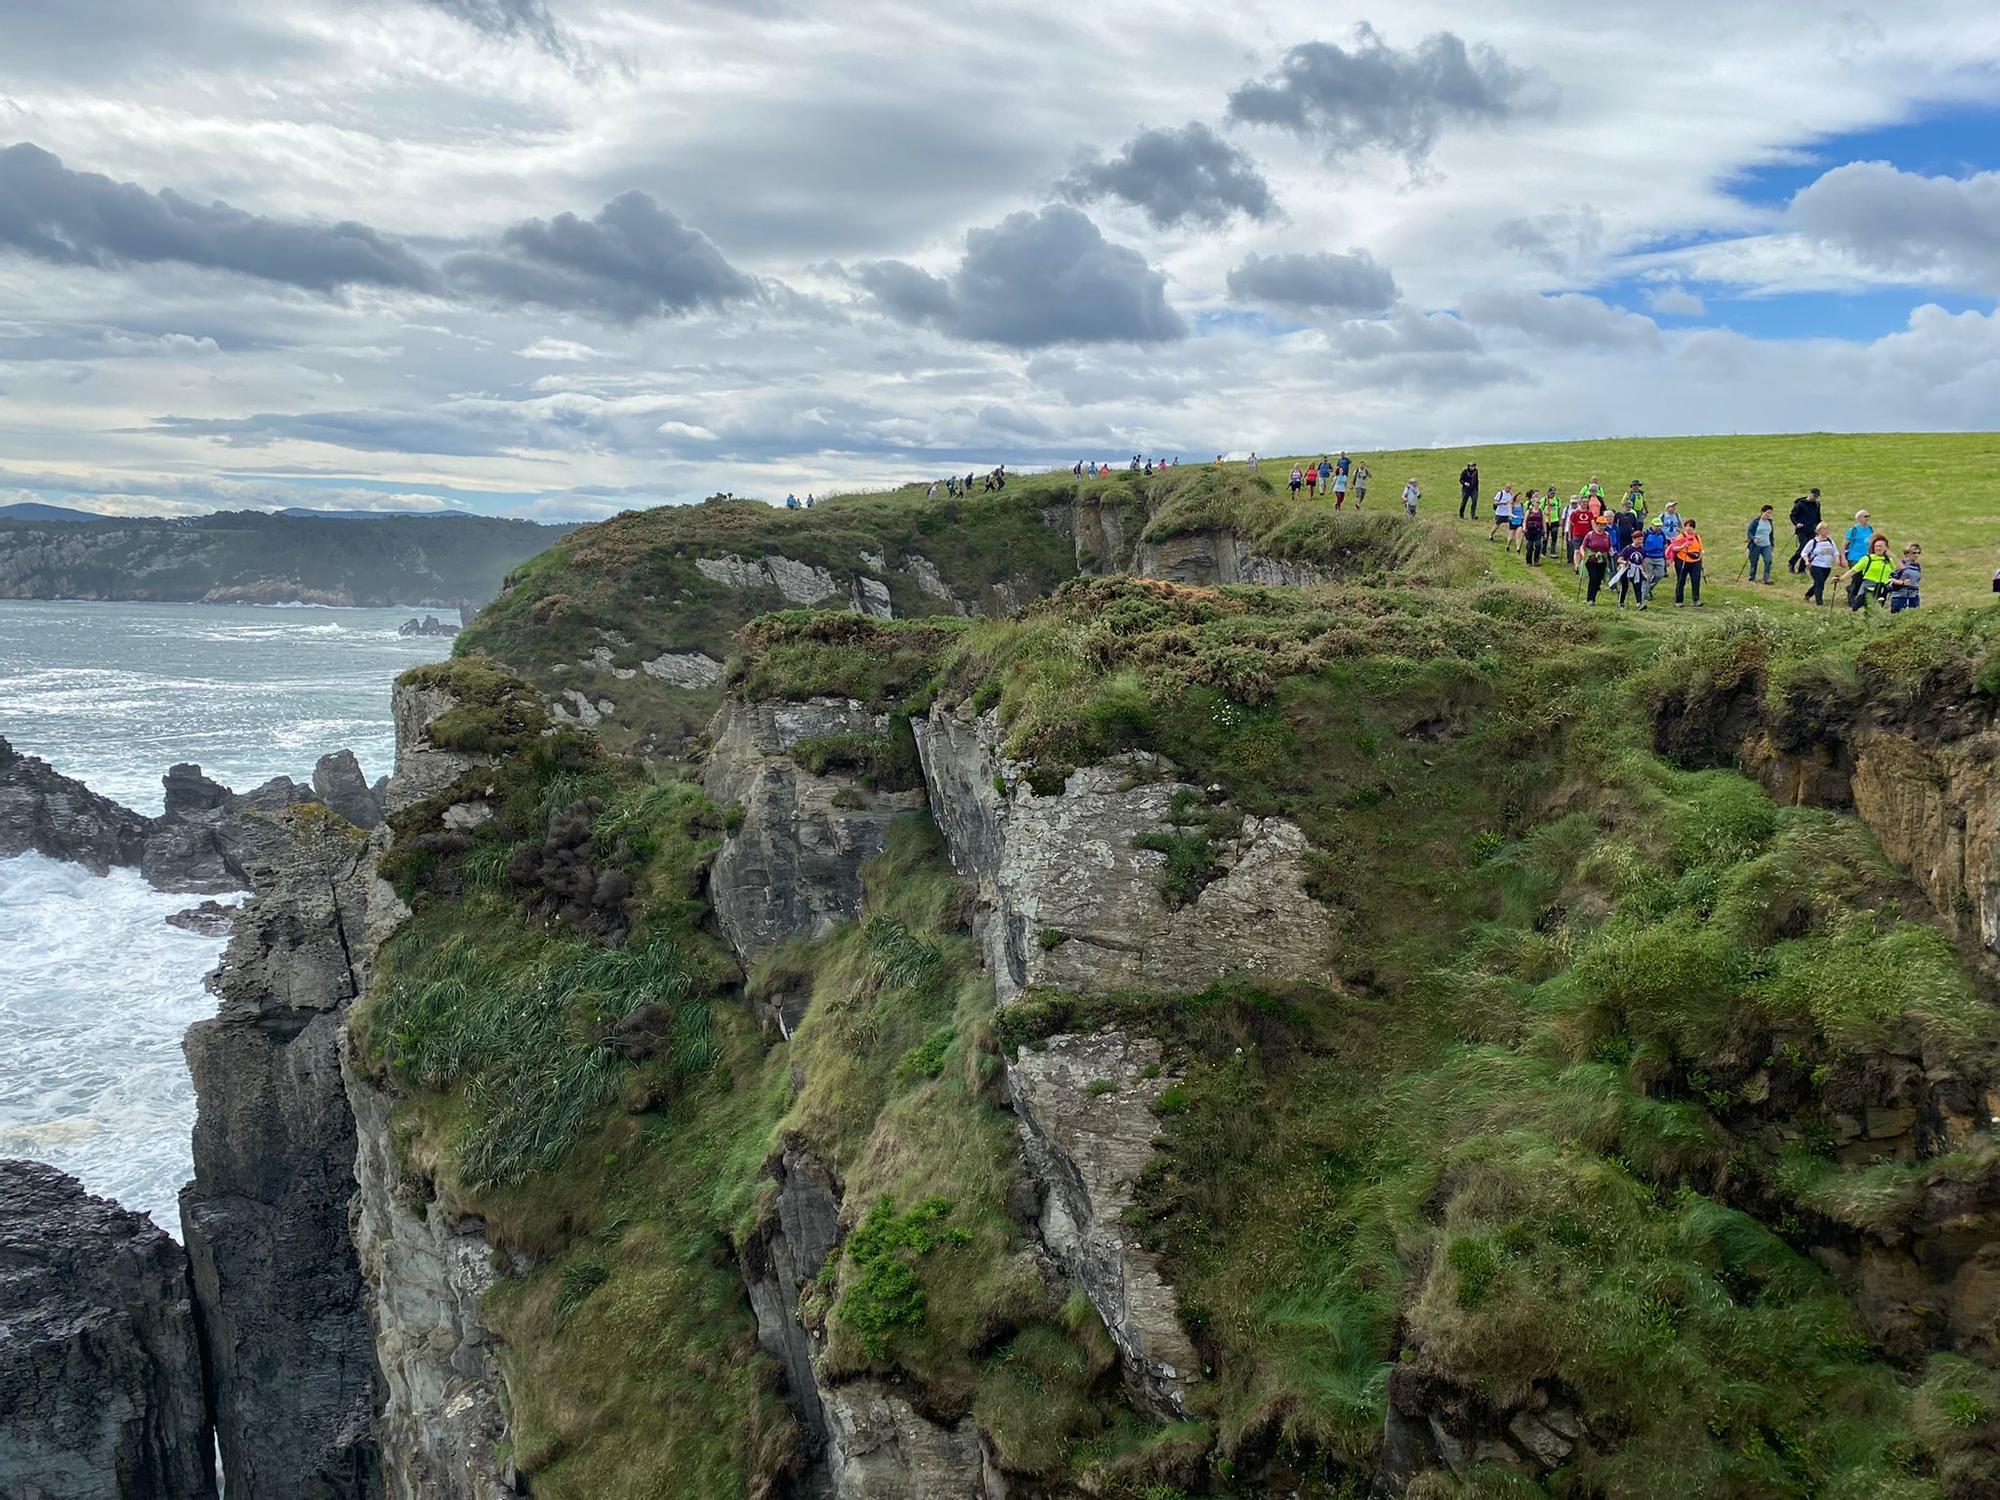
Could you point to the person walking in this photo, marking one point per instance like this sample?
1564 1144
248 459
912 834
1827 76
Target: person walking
1503 510
1906 580
1805 526
1325 473
1653 549
1670 519
1871 574
1685 553
1631 575
1535 527
1596 552
1411 495
1340 483
1855 545
1298 480
1627 524
1758 540
1312 479
1819 553
1517 518
1576 526
1343 464
1361 477
1635 496
1468 491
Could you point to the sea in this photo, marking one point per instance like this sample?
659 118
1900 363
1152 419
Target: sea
95 988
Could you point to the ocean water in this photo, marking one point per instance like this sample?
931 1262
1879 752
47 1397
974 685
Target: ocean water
95 988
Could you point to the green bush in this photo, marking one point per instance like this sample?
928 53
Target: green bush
885 1298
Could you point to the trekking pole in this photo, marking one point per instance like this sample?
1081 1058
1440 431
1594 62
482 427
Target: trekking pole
1746 565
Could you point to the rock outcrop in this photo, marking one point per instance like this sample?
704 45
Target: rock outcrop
440 1429
279 1297
882 1448
1221 556
792 868
423 770
1069 899
101 1392
799 1230
337 781
45 812
1084 1104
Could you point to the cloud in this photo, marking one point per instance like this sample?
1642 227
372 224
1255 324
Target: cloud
1030 281
1354 285
526 20
1373 96
1177 177
84 219
560 350
634 260
1567 320
1905 223
1676 301
1563 240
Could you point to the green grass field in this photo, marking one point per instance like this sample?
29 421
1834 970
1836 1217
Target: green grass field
1940 489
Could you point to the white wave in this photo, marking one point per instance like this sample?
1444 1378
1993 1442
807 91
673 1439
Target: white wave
95 992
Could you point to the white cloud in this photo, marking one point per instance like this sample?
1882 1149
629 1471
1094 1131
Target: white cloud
559 350
1673 300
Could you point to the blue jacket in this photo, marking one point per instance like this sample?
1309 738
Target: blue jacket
1655 543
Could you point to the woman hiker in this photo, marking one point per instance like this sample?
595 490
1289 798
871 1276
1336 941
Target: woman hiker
1595 551
1906 580
1818 556
1871 575
1685 554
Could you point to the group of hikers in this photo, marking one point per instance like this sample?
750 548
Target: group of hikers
1334 477
1140 464
1629 549
995 479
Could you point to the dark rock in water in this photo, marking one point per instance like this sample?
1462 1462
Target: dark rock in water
189 792
465 614
45 812
278 1292
338 782
428 625
210 919
213 839
100 1372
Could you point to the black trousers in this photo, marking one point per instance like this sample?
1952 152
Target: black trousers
1687 576
1593 572
1798 558
1817 593
1468 502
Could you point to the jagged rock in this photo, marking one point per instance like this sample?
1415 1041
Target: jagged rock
870 596
278 1296
799 1231
1067 900
337 781
45 812
924 574
801 583
581 710
441 1429
602 659
882 1448
1105 534
210 919
684 669
100 1372
792 869
1084 1104
423 770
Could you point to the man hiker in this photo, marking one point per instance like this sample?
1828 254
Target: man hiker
1626 525
1360 482
1757 538
1653 547
1411 495
1906 580
1805 520
1468 492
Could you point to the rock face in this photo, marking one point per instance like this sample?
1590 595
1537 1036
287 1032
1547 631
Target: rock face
279 1298
337 781
1210 557
422 769
800 583
792 869
45 812
882 1448
1084 1104
426 1269
1067 900
798 1232
100 1372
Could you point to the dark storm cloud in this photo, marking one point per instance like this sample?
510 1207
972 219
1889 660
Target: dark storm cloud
527 20
1033 280
1177 177
1906 223
1369 94
1353 285
634 260
85 219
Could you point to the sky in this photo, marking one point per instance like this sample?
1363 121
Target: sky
560 258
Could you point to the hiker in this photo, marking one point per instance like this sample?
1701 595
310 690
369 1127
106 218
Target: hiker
791 502
1653 548
1684 552
1757 539
1076 469
1503 510
1635 496
1820 554
1298 480
1325 472
1596 551
1906 581
1626 525
1468 491
1312 478
1340 483
1871 574
1536 529
1360 485
1670 519
1343 464
1855 545
1631 575
1517 516
810 501
1411 495
1805 526
1576 526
